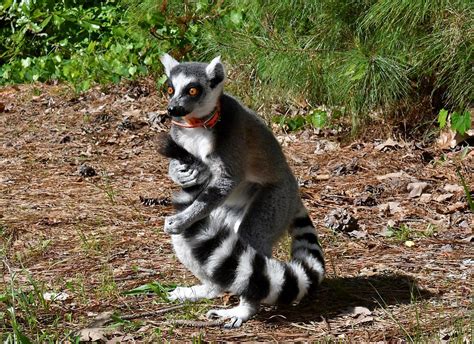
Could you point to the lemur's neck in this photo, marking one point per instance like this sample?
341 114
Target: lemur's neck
208 121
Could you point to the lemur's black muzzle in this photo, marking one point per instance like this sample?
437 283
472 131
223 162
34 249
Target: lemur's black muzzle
177 111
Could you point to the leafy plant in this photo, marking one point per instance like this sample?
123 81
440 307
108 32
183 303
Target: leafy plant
315 119
459 121
153 287
82 42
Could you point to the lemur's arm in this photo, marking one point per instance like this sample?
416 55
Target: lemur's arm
192 174
223 181
184 169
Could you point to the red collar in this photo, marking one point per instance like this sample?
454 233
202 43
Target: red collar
207 122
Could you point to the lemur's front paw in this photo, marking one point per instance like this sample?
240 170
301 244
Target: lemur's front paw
175 224
186 175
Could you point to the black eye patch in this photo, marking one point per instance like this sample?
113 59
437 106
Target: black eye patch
196 86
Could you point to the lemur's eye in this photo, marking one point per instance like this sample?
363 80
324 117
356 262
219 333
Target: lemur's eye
193 92
170 90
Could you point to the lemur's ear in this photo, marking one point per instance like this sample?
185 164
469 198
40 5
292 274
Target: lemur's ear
168 62
215 71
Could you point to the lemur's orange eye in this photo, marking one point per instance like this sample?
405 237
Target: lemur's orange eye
170 90
193 92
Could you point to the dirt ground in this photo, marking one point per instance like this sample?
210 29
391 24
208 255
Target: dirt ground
400 260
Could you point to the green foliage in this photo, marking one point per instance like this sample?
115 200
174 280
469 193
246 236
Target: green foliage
152 288
315 119
362 56
459 121
366 56
467 192
78 41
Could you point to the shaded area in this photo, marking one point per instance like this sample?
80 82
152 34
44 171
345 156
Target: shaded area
336 295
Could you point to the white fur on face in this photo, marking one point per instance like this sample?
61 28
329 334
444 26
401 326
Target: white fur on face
180 82
209 103
169 63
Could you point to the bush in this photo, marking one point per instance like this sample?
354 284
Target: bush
78 41
359 56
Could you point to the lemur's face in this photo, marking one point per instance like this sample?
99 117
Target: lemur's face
193 88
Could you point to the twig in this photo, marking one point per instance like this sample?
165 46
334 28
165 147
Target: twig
151 313
195 323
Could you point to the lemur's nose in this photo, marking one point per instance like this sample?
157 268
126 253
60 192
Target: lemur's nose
176 111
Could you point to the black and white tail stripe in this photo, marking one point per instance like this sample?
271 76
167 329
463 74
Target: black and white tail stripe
236 267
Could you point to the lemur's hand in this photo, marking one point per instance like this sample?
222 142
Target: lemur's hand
186 175
176 224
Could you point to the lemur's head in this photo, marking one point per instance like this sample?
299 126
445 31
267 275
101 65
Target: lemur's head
194 88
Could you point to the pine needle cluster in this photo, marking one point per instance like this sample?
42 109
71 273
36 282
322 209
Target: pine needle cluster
362 56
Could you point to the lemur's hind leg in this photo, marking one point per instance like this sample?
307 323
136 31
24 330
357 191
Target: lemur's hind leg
267 219
236 315
195 293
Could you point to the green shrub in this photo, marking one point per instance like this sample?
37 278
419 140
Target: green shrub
362 57
78 41
365 56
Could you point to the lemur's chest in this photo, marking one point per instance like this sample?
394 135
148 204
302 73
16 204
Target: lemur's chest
197 141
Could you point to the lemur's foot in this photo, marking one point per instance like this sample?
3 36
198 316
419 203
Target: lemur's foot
175 224
237 315
193 293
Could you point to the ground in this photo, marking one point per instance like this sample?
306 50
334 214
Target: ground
75 239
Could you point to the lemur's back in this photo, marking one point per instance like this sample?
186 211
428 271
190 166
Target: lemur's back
240 129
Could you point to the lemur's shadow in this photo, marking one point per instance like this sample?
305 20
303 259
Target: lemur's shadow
338 294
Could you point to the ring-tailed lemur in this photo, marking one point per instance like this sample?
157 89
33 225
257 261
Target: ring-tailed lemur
239 196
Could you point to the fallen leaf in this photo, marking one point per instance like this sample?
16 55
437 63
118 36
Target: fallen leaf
425 198
126 338
445 197
356 311
101 319
453 188
52 296
389 144
447 139
391 208
416 189
452 208
92 334
394 175
469 239
358 234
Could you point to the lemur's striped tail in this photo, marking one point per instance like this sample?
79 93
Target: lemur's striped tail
236 266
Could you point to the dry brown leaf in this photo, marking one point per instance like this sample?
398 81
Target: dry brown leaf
388 145
390 207
92 334
416 189
394 175
445 197
453 188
